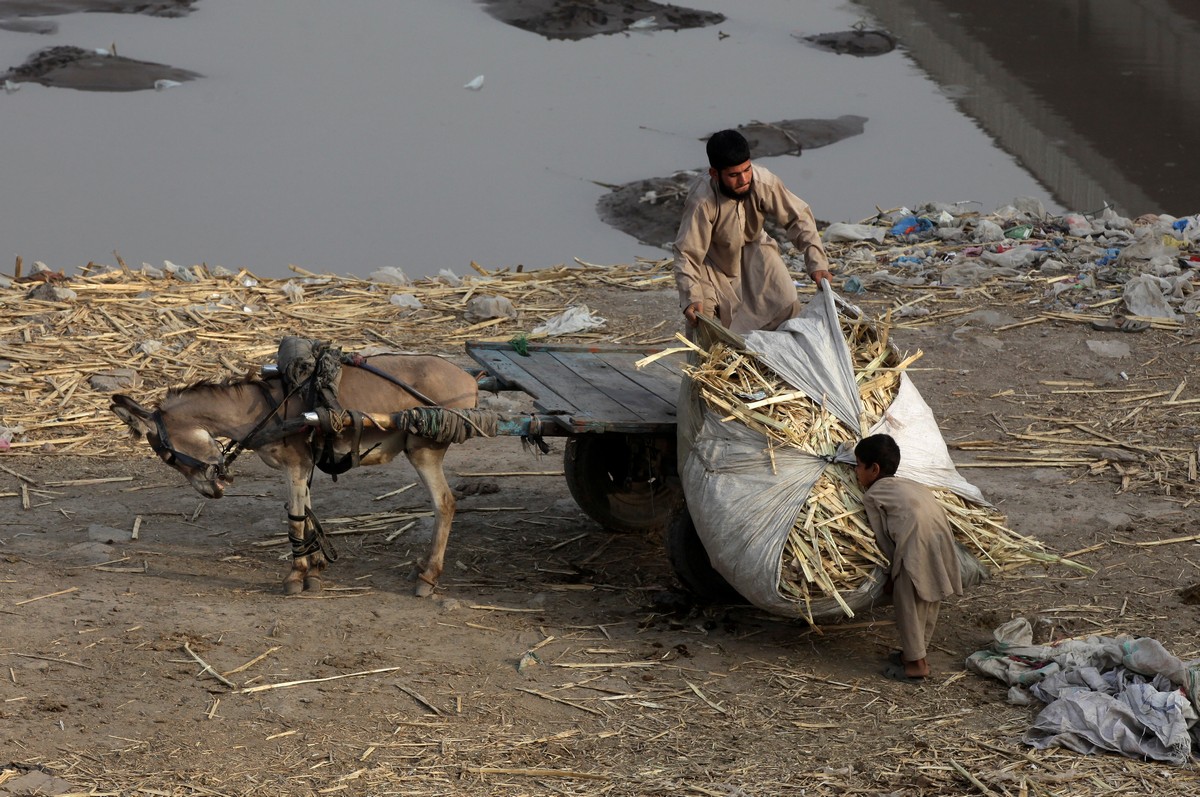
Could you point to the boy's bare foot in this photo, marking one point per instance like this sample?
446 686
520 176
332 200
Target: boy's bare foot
917 669
912 672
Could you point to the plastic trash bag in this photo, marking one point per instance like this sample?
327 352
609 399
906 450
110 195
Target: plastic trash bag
294 292
841 231
576 318
390 275
969 274
911 225
1078 225
1144 297
987 231
405 301
1016 257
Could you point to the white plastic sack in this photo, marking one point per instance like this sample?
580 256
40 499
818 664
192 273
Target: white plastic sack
744 496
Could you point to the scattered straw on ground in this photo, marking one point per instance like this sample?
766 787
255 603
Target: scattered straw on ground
59 361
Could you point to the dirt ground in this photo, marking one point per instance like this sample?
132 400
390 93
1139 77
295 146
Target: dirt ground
557 658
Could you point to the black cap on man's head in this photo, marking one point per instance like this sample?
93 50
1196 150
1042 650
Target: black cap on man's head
727 148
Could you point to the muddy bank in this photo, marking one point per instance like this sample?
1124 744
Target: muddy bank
10 9
860 42
650 209
93 70
576 19
88 70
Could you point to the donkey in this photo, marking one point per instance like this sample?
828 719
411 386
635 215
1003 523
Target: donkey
184 428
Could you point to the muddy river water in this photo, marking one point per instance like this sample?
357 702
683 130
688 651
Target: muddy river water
342 137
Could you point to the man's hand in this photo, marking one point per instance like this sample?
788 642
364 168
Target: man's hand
817 276
691 311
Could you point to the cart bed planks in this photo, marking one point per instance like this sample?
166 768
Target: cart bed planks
588 389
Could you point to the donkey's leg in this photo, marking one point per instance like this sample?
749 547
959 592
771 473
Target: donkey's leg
307 559
427 457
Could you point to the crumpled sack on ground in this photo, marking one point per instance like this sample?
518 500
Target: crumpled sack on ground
1103 694
485 308
576 318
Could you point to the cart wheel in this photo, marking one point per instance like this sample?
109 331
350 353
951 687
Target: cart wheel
690 562
625 482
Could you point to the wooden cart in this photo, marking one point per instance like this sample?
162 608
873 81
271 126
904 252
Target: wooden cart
620 455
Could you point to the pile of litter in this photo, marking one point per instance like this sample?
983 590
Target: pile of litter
1101 694
1143 268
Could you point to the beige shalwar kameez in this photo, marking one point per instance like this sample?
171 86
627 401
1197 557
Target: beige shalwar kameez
913 532
725 259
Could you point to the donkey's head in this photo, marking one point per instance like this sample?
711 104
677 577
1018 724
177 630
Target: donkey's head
179 441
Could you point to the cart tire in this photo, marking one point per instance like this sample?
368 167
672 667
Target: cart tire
625 482
691 564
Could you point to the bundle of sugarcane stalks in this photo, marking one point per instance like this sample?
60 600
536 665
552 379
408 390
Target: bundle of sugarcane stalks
831 549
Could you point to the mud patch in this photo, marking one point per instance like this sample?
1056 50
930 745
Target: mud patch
650 209
853 42
89 70
19 25
793 136
580 19
10 9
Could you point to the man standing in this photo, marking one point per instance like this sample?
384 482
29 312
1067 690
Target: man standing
725 262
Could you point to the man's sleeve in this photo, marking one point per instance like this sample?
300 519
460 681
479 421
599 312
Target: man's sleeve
796 218
691 247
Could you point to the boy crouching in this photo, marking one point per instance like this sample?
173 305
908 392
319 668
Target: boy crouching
913 532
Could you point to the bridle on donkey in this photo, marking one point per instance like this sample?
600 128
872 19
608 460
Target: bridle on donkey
229 452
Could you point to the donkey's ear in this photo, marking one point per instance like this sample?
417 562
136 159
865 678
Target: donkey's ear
135 416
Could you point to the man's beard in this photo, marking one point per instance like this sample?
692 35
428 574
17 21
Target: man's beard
729 192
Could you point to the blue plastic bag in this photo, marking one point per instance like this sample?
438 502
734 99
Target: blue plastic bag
911 225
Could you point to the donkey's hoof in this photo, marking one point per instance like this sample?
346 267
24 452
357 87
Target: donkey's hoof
423 590
312 584
292 587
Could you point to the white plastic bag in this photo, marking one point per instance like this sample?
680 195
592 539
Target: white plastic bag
576 318
841 231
